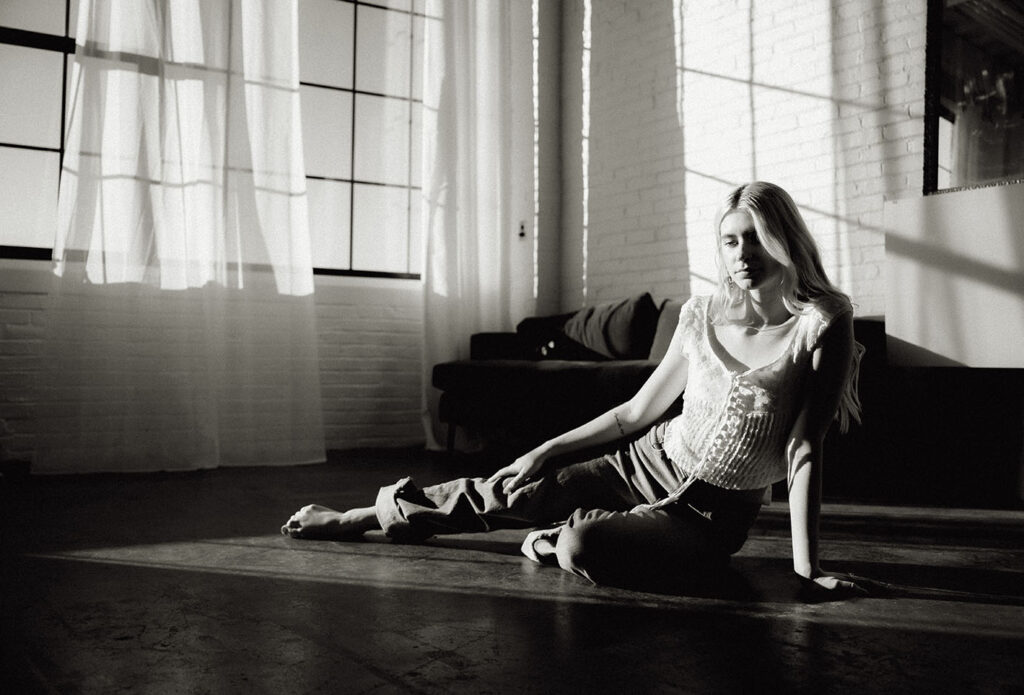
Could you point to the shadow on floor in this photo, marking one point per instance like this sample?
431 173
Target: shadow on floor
182 583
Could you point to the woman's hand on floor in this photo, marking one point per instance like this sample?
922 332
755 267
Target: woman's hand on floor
520 471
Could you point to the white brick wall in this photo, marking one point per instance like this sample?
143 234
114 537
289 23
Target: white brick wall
23 294
828 104
369 345
370 361
636 150
825 99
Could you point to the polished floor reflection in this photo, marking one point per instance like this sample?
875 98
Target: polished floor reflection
181 583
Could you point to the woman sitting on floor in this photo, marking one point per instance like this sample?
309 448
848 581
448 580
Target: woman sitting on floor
767 361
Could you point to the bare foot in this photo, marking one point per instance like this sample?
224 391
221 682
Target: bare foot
316 522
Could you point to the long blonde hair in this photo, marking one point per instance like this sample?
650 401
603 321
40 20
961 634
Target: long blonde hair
781 230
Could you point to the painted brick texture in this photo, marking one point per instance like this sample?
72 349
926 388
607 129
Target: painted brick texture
368 341
370 345
635 154
686 99
23 297
690 99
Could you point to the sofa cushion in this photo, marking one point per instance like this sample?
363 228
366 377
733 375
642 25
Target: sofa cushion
622 330
544 338
562 347
668 319
494 346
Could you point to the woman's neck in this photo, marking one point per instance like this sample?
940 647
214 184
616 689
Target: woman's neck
763 308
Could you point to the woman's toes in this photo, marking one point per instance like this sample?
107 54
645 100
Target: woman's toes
293 526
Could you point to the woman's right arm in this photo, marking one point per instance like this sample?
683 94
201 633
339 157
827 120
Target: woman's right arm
654 397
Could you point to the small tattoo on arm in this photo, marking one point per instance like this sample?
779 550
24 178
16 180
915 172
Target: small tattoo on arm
618 423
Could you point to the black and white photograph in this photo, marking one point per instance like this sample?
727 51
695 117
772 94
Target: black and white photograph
511 346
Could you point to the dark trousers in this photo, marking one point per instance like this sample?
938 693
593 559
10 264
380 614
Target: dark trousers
617 524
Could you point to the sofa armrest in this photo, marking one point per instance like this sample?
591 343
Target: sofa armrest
494 346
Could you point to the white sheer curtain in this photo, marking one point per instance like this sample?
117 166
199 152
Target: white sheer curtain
182 332
472 179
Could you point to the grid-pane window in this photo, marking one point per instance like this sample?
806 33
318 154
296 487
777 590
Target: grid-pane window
42 16
34 45
359 68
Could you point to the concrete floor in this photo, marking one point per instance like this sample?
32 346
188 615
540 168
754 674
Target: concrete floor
181 584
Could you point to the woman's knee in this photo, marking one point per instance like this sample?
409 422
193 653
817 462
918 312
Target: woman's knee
584 547
571 550
626 548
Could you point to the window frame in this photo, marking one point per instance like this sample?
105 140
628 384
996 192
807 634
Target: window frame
353 180
65 45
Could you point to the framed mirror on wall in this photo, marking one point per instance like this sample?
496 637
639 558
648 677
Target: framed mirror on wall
974 100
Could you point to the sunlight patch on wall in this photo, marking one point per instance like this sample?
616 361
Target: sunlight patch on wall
585 137
954 298
677 42
535 89
756 102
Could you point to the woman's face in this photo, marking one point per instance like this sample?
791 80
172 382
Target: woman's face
748 263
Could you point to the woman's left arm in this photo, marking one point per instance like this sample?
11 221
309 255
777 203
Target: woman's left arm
830 367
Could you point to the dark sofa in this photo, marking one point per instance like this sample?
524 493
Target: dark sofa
930 436
554 372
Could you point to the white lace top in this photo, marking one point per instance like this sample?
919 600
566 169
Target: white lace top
733 428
